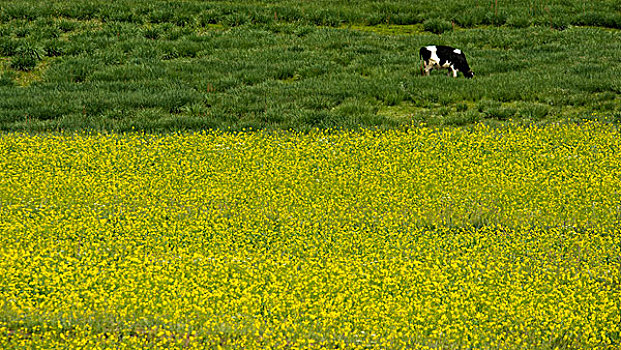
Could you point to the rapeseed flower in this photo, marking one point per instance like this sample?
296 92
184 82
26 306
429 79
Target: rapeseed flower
424 238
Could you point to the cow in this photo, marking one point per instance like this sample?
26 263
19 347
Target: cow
440 57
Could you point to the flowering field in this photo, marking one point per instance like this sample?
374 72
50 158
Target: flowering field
455 238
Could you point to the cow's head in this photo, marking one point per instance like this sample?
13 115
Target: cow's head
469 74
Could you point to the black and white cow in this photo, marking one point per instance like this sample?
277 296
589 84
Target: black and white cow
441 57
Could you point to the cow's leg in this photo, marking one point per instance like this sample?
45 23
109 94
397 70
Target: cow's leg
453 71
428 68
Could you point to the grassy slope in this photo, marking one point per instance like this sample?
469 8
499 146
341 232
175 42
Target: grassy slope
279 64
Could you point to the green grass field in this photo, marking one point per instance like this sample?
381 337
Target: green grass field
167 66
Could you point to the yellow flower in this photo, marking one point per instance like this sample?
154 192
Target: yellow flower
422 238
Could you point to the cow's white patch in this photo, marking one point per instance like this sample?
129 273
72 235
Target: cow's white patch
434 60
457 51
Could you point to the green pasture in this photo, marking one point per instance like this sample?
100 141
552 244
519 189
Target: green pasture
177 65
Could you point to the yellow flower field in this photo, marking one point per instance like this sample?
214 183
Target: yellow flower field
421 238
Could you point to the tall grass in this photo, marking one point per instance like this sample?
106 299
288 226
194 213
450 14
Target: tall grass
186 65
189 13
